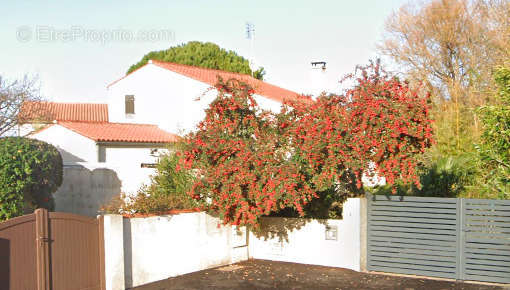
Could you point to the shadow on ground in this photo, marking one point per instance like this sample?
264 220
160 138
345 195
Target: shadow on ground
261 274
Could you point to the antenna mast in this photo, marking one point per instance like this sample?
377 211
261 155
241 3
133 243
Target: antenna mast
250 34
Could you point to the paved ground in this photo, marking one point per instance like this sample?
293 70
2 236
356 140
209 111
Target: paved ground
261 274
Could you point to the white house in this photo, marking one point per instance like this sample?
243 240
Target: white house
101 158
174 96
110 148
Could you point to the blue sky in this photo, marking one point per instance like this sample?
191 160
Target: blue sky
288 36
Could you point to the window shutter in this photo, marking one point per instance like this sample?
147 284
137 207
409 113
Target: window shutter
130 104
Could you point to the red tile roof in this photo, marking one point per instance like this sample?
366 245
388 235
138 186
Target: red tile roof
121 132
73 112
210 76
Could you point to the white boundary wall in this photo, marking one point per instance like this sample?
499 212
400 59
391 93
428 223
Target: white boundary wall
144 250
308 244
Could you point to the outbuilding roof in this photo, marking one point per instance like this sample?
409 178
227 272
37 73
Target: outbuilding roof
45 112
121 132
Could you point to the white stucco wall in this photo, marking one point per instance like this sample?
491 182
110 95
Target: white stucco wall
268 104
126 162
156 248
308 244
165 98
144 250
74 148
87 186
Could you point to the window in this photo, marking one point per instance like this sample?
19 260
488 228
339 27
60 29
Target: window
130 104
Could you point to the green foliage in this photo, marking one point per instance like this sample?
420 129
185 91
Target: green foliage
454 46
496 119
495 146
480 155
447 141
449 176
168 181
30 172
202 54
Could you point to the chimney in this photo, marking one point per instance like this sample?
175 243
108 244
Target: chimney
319 64
317 78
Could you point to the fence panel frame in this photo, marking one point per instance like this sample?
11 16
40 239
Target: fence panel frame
43 249
472 217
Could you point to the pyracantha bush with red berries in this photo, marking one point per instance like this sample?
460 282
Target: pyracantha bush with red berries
241 163
252 162
377 127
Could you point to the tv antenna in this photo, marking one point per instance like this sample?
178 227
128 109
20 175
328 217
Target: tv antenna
250 30
250 34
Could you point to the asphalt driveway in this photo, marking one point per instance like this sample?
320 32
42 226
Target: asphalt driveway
261 274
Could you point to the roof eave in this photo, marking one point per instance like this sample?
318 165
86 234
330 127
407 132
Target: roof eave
134 144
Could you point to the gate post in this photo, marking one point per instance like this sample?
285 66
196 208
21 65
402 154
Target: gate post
115 274
100 221
459 269
43 251
363 233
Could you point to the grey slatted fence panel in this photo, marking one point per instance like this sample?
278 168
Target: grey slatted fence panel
413 235
486 247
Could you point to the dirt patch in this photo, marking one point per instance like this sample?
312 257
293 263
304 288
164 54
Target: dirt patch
261 274
230 268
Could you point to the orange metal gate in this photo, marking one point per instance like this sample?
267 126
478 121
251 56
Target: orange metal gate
51 250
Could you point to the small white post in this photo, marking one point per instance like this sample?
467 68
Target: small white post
114 252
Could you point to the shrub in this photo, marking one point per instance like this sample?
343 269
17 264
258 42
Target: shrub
30 172
253 163
494 149
170 181
449 176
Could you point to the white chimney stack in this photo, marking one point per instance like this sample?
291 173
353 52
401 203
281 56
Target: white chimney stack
318 78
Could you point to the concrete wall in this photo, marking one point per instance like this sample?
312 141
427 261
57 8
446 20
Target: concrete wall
85 190
87 186
302 241
143 250
165 98
156 248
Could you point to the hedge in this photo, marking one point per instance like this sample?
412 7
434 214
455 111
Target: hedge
30 172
